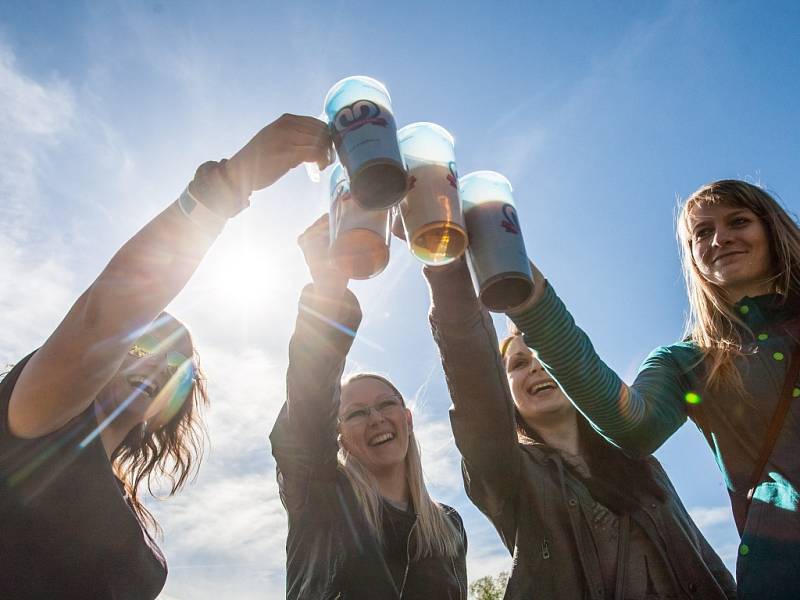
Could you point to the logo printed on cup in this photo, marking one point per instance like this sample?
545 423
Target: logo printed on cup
356 115
453 176
511 221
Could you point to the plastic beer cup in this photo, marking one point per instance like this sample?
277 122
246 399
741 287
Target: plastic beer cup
496 252
433 222
359 238
364 132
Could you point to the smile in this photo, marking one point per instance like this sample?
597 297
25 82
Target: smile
381 438
143 384
542 386
727 255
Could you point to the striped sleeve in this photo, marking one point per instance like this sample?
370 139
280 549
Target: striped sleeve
638 418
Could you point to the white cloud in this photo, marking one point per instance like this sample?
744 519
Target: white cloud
709 516
34 115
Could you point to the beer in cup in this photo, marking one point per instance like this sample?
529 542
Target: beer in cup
359 238
364 132
497 256
433 222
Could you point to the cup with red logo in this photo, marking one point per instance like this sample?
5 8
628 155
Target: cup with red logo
359 112
433 221
359 238
497 257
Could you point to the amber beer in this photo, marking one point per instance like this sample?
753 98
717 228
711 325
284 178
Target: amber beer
431 212
432 217
359 238
497 256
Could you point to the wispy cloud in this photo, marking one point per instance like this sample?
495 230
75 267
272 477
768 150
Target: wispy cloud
709 516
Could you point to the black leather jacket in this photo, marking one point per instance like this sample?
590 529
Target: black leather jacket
331 553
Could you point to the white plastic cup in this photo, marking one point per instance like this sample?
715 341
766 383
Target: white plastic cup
496 252
359 112
359 238
433 221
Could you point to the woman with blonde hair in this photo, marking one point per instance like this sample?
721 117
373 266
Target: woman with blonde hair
361 522
735 374
111 400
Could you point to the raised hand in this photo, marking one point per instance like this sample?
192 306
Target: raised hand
314 242
279 147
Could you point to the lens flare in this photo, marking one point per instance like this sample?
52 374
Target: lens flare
693 398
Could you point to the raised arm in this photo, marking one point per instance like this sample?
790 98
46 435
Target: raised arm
87 348
483 414
303 439
637 418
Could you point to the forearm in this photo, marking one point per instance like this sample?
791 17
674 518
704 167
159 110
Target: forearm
638 420
88 346
325 330
483 413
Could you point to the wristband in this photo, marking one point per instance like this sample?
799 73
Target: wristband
213 188
204 218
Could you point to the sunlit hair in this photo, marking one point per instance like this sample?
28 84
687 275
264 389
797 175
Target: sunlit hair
612 473
172 452
435 533
712 323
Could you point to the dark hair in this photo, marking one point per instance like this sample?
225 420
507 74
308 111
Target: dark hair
173 451
611 471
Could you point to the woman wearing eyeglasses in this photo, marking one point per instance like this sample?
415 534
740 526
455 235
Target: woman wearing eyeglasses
112 398
361 522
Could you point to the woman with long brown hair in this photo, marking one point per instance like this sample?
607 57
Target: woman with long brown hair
735 374
580 518
361 522
112 398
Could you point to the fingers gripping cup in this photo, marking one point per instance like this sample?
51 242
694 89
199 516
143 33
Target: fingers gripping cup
433 222
496 250
359 237
359 112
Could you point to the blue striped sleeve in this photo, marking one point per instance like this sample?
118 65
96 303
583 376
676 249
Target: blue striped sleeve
638 418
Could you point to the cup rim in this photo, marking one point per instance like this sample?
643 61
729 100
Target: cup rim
370 80
403 132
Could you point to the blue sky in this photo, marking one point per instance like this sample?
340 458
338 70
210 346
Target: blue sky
601 115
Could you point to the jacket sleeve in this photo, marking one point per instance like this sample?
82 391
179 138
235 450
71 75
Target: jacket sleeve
709 556
304 436
636 418
482 416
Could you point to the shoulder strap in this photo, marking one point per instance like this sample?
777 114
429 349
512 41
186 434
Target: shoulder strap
777 422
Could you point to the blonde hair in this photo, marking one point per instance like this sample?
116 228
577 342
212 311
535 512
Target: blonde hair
712 323
434 533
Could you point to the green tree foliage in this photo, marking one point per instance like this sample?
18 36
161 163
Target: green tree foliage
489 588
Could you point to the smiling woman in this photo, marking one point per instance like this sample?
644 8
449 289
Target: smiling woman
361 522
109 402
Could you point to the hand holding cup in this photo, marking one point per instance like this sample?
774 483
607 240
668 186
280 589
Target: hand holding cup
315 243
280 146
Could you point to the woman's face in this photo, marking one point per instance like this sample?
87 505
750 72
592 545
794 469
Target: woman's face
730 247
374 424
537 397
155 377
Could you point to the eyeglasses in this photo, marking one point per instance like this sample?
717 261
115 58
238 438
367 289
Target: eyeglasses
385 406
149 345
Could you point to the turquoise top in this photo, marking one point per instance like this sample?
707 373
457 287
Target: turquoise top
670 386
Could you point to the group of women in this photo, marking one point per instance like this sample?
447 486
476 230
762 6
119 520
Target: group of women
556 448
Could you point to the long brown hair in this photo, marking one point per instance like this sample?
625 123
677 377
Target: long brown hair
173 451
611 472
435 533
712 323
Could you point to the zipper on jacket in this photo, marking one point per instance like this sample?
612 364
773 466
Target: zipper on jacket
408 556
545 549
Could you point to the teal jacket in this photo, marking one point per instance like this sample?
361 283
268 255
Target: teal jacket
670 387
